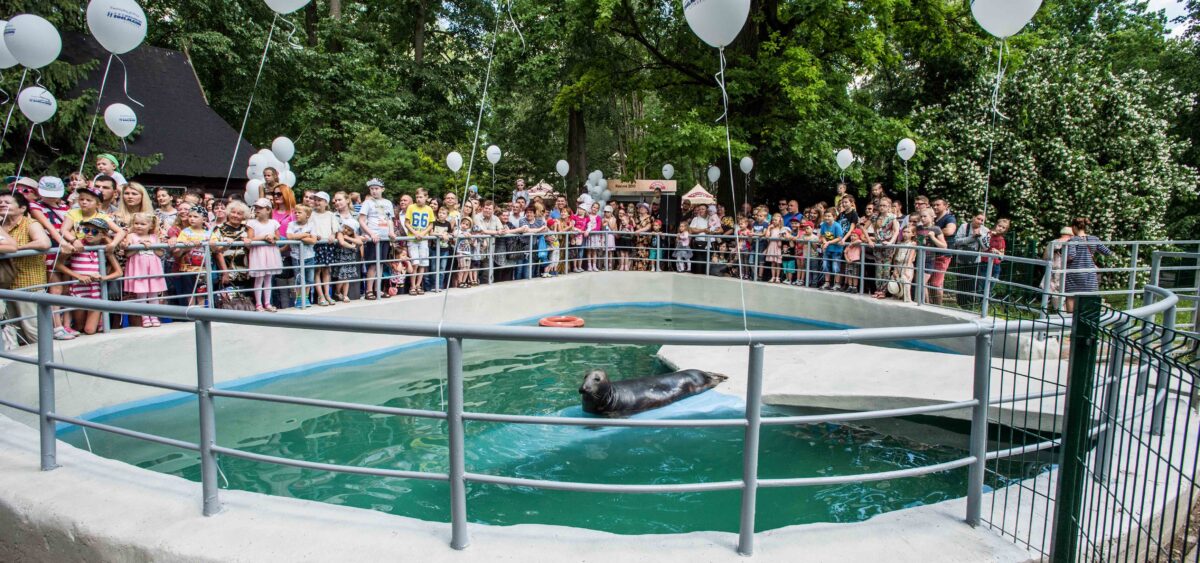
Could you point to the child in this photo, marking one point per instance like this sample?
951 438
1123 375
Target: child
789 263
683 249
144 266
84 267
595 237
463 250
324 224
302 230
831 249
746 234
189 253
806 249
774 250
265 259
853 245
401 268
720 260
903 260
349 253
656 245
88 200
419 217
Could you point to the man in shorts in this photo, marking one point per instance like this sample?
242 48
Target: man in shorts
419 217
945 221
375 218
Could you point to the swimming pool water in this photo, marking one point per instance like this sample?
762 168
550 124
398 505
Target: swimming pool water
538 379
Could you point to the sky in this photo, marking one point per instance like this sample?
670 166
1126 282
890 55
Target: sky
1174 9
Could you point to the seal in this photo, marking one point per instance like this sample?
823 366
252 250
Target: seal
631 396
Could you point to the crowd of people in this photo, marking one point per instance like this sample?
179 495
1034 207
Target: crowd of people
108 237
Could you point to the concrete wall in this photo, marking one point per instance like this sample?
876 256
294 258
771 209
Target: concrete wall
241 352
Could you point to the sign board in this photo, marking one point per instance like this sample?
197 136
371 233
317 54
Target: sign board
641 187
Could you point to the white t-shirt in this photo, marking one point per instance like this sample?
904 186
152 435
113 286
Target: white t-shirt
350 220
324 224
306 250
120 178
699 223
379 214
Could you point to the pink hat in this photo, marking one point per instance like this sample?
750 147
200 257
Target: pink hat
262 202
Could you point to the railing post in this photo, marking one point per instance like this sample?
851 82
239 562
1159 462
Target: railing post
979 425
302 281
492 260
377 283
529 263
459 537
1047 280
920 278
1064 539
45 348
1133 270
1106 441
987 288
210 281
1164 373
862 269
436 266
208 419
105 320
750 450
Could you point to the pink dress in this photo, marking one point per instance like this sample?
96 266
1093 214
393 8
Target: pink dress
774 252
265 259
143 263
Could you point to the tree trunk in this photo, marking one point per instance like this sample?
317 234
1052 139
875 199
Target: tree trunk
419 32
576 151
335 9
310 24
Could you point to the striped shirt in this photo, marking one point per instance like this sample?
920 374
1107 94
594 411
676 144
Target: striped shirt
86 263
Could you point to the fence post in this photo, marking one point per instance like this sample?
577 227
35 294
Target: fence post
459 538
750 450
987 288
105 320
1133 270
1047 281
979 425
1164 373
208 419
492 260
862 268
436 264
920 276
209 281
1106 442
45 348
302 279
373 284
1064 539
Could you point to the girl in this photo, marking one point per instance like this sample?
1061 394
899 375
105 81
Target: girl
903 260
349 253
643 225
84 267
265 260
853 242
610 239
462 250
625 240
144 266
683 249
324 227
744 259
189 254
580 220
595 236
774 252
166 209
655 245
49 211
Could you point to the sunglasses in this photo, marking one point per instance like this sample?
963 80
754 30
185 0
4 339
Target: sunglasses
277 194
90 231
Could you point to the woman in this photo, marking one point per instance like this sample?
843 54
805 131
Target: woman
346 260
1081 261
27 234
166 212
232 261
643 226
283 211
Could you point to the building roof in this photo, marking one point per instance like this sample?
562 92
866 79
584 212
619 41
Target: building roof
176 121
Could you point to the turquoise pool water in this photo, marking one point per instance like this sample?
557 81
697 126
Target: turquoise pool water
538 379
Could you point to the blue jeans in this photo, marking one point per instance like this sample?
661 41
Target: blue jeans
832 264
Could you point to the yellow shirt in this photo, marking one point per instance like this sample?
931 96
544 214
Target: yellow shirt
419 217
77 219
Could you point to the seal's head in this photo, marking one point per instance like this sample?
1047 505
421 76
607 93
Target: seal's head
594 383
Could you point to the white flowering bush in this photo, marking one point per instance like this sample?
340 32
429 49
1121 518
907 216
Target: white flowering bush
1077 139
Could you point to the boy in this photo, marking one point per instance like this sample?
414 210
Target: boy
419 218
375 218
831 247
302 230
444 250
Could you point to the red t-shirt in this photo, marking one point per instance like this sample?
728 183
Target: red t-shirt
997 242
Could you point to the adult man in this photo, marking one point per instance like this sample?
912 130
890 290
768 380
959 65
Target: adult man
945 221
530 224
488 224
375 218
698 227
108 193
793 212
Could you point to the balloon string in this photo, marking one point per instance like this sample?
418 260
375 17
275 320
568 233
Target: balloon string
124 153
21 167
737 236
237 143
42 130
290 41
515 26
13 107
471 160
987 180
96 114
125 74
907 193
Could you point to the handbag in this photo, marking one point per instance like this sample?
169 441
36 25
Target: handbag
229 300
8 273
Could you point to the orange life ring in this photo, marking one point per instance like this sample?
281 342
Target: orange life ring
561 322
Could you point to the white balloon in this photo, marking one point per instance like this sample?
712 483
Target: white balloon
454 161
37 104
1004 18
493 154
118 25
32 40
747 164
288 177
596 175
252 189
254 170
714 173
283 149
602 184
845 158
6 58
717 22
668 171
286 6
906 148
120 119
605 195
562 167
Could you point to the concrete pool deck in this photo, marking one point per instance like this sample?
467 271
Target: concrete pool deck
856 377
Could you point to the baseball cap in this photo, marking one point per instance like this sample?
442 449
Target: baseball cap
323 195
374 182
50 186
806 223
607 208
262 202
90 190
96 222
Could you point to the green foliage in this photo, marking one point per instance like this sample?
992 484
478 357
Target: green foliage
372 154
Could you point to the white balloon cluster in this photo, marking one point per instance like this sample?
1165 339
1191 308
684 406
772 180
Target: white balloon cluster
282 150
597 187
